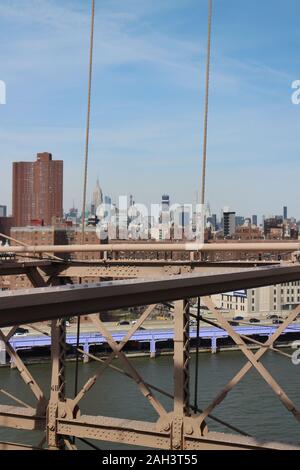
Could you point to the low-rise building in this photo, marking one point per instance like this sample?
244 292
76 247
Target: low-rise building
273 299
234 302
273 228
248 232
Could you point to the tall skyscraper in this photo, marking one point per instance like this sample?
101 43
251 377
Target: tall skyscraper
165 203
254 220
239 220
215 221
3 211
285 213
229 223
164 216
97 198
37 190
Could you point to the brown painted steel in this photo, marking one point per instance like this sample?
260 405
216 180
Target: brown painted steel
16 447
140 433
49 303
21 418
178 430
158 247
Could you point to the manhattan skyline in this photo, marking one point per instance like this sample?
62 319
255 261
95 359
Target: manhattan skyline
147 114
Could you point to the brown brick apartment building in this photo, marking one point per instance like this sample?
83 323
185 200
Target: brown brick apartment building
37 190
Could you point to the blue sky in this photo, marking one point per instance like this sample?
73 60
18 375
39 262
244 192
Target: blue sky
148 92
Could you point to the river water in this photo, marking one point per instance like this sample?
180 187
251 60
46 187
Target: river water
251 406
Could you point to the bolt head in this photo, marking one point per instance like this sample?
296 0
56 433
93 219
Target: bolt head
189 430
176 445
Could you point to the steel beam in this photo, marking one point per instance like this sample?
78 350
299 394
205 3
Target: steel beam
122 247
147 269
221 441
34 305
10 268
137 433
15 446
151 435
262 246
21 418
181 359
123 268
58 382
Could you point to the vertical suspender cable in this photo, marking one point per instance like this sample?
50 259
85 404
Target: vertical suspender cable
204 158
87 139
85 177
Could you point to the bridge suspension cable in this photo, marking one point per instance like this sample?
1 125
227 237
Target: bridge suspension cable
85 175
208 59
87 137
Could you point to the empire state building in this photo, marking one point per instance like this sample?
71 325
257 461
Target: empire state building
97 199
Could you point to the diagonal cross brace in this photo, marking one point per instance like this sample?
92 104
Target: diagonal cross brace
24 372
252 362
117 351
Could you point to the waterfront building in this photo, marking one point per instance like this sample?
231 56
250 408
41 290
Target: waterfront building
234 302
274 299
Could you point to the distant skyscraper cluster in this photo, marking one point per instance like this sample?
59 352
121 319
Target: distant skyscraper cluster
38 201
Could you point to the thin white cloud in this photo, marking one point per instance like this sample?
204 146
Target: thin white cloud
66 31
49 46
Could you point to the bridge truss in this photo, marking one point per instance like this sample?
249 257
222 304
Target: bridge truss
186 427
